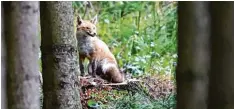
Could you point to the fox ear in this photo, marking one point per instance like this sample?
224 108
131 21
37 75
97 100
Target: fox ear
94 20
79 20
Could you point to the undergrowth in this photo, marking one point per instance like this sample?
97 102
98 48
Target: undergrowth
142 36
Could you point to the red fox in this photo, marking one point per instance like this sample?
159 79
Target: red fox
101 61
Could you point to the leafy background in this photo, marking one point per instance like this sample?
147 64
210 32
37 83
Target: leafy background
142 36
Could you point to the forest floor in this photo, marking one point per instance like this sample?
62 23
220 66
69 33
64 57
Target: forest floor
96 92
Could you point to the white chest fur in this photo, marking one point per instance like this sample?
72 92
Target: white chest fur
85 45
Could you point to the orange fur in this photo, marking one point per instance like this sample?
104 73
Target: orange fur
101 61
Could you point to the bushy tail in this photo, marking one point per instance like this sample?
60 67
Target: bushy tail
114 75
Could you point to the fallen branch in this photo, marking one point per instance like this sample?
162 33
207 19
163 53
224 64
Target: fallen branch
84 77
123 83
92 82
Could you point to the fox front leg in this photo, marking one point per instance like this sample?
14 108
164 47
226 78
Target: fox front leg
81 60
90 68
94 68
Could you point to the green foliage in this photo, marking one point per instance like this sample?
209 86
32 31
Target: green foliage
167 103
142 35
93 104
138 101
123 100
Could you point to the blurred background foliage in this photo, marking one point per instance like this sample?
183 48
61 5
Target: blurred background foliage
142 35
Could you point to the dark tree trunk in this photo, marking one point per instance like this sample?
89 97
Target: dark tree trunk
3 64
21 31
193 55
59 56
221 90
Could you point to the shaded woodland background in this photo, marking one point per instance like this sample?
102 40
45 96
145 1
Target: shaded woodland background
144 37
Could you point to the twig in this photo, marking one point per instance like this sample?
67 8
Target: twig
110 84
123 83
115 84
84 77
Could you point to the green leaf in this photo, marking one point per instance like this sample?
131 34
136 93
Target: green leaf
93 104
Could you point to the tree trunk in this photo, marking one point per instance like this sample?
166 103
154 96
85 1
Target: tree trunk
193 55
59 57
3 64
221 90
21 31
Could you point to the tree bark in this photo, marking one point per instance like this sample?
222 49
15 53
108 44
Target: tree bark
3 64
21 31
59 57
221 90
193 55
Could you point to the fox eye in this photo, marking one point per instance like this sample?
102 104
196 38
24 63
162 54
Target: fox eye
87 28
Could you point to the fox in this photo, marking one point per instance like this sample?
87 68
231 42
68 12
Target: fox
101 61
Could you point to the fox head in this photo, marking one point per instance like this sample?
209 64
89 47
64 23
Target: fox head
87 28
